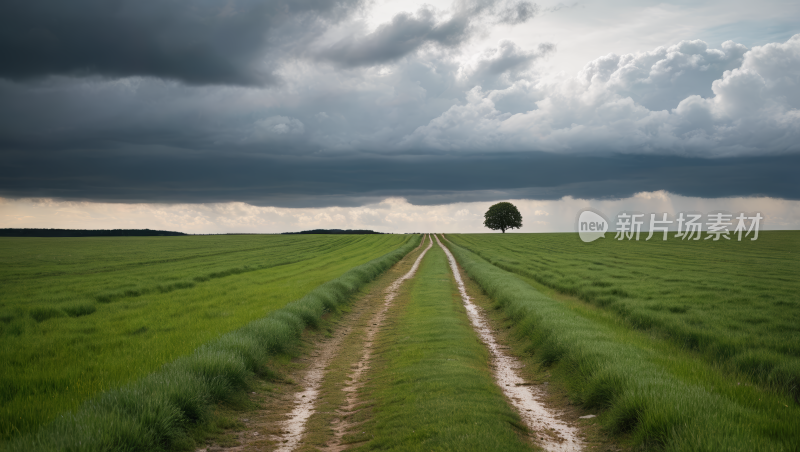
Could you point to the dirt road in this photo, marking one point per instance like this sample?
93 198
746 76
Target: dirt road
324 406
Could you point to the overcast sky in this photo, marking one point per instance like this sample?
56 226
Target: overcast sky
253 115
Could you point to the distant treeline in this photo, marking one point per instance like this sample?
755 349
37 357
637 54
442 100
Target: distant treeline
335 231
10 232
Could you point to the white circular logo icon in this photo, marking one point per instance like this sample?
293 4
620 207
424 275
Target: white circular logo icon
591 225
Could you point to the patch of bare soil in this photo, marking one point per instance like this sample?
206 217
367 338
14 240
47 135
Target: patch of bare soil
304 401
552 432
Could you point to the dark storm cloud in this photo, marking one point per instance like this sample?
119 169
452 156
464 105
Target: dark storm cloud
314 181
197 42
404 34
235 42
423 130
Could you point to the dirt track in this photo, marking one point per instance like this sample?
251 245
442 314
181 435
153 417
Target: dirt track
356 377
272 430
555 435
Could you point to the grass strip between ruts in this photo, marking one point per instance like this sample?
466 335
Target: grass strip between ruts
155 413
430 386
640 397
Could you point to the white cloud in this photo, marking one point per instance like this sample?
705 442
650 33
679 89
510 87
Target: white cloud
753 109
500 66
661 78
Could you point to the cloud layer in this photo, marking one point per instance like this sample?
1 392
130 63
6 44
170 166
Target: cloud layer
303 103
197 42
681 100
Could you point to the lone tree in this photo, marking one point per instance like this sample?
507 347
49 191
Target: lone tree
503 215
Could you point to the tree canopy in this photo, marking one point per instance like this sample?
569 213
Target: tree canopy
503 215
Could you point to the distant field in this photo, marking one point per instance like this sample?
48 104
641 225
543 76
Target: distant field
737 303
81 315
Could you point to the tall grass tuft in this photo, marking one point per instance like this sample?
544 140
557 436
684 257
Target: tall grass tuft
153 413
79 309
46 312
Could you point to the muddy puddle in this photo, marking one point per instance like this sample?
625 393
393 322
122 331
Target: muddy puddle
553 434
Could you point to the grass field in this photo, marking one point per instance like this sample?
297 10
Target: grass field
658 393
431 386
82 315
737 303
676 345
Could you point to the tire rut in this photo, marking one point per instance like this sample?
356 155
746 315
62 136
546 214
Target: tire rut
356 381
293 427
553 434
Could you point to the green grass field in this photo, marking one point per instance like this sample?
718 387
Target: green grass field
737 303
676 345
82 315
432 387
658 391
